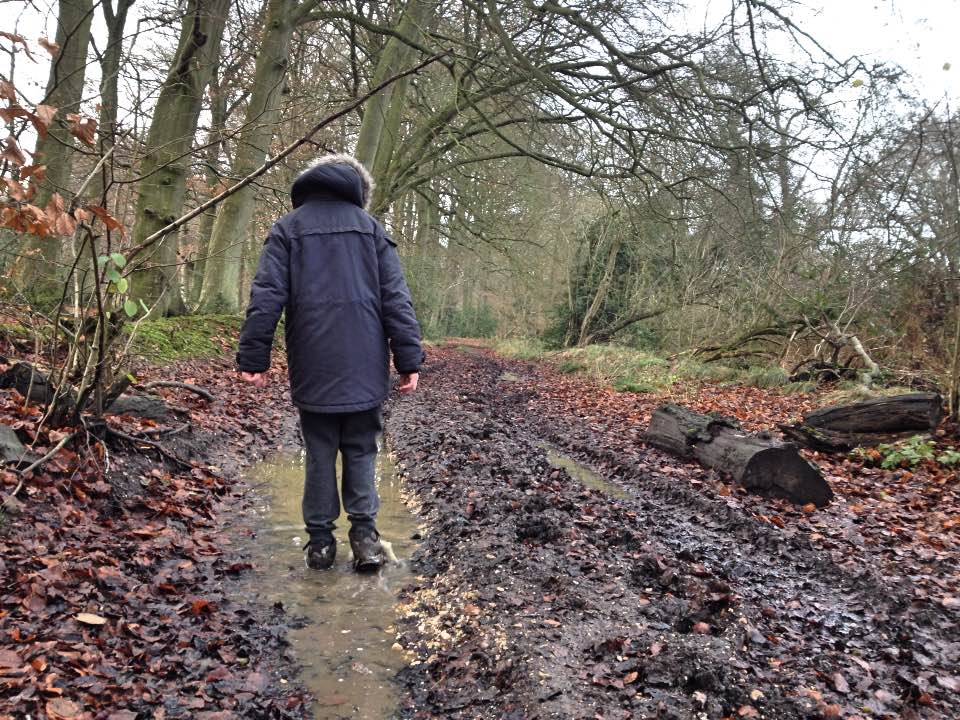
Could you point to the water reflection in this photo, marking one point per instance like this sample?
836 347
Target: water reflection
583 474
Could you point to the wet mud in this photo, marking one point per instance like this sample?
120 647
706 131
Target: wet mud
550 592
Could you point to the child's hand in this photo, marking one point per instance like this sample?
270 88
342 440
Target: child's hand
408 383
258 380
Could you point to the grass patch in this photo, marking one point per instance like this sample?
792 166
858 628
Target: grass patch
800 388
633 387
765 377
520 348
570 366
189 336
631 370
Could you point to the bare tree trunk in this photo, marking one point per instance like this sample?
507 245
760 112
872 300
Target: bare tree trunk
395 55
603 288
221 275
166 160
35 271
214 143
110 60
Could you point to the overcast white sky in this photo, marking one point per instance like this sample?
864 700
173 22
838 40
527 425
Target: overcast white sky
919 35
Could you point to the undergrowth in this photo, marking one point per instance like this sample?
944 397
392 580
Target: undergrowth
909 453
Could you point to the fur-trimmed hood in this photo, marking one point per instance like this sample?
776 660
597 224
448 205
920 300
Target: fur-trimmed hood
342 176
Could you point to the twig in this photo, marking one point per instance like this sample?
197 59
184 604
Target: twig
205 394
33 466
155 445
168 432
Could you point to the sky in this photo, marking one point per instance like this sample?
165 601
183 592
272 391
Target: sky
919 35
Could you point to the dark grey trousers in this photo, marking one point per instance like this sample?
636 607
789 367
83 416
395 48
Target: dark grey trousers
354 435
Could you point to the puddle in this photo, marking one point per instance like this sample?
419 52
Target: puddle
345 649
583 474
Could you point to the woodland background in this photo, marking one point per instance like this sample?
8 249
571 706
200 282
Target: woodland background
579 172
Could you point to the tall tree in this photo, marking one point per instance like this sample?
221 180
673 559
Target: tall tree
225 246
167 154
396 54
115 17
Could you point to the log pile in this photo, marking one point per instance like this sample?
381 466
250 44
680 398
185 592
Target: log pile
759 463
841 428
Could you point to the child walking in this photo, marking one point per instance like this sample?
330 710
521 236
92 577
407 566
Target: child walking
334 271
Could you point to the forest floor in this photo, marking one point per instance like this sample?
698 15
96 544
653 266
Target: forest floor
656 589
665 593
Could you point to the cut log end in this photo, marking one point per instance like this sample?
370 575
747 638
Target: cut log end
782 472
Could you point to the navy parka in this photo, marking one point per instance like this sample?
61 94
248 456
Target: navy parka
336 273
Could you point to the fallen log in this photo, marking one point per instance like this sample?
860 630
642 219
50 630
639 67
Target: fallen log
841 428
896 413
756 462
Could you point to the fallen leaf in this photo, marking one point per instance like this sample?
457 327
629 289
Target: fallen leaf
90 619
10 659
949 682
63 709
840 683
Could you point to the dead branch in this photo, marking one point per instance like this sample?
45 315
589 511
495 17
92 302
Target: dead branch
205 394
33 466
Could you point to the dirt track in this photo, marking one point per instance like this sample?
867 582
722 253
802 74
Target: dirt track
544 598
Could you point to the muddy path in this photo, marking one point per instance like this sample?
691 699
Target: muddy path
543 596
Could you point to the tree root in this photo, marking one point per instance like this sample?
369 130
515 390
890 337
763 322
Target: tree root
152 443
205 394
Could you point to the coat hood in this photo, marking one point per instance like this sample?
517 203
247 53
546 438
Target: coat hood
342 176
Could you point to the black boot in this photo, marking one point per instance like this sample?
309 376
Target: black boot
368 552
319 555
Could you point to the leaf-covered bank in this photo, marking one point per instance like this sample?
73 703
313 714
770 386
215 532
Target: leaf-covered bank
119 567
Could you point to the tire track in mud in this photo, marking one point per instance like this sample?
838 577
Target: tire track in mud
544 598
